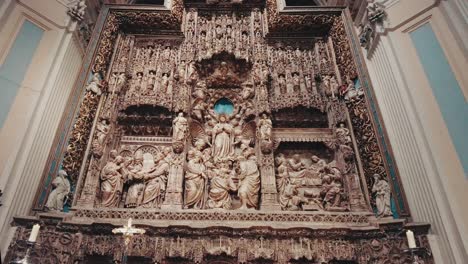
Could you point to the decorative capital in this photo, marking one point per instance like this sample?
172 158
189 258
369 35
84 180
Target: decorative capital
77 9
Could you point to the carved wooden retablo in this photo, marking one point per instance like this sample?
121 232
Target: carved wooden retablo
231 132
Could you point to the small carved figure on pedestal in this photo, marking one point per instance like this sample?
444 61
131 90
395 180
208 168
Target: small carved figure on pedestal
265 127
181 71
119 83
381 189
296 82
95 84
137 84
349 91
343 135
179 126
102 130
282 84
150 81
164 86
60 192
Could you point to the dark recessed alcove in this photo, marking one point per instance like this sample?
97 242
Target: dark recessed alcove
300 3
149 2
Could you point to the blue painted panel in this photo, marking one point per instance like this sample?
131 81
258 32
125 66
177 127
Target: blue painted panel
445 87
16 63
224 106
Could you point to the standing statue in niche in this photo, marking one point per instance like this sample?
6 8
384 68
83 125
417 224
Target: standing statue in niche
95 84
249 177
155 182
223 139
99 142
381 189
343 135
112 180
195 181
180 128
265 127
61 190
119 83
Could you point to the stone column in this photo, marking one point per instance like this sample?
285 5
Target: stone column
269 197
174 190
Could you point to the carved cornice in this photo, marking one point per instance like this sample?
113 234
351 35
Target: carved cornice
300 20
303 135
63 241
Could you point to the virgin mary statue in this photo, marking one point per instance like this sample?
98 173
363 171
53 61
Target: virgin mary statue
223 139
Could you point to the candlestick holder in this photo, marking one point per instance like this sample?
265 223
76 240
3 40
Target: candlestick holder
25 260
416 253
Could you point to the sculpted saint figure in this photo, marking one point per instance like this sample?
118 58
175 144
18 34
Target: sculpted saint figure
119 83
112 181
102 129
61 190
135 177
150 81
195 181
249 177
282 178
137 83
223 139
333 86
331 190
343 134
265 126
181 71
220 187
381 189
282 84
180 127
247 90
164 83
95 84
296 80
155 182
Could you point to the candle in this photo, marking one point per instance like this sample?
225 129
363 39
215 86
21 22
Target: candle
411 240
34 233
129 222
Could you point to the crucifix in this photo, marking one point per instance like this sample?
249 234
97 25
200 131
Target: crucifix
127 231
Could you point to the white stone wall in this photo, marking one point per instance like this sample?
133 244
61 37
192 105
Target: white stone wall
28 132
432 175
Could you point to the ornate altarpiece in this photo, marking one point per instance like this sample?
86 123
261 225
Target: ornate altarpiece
233 133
